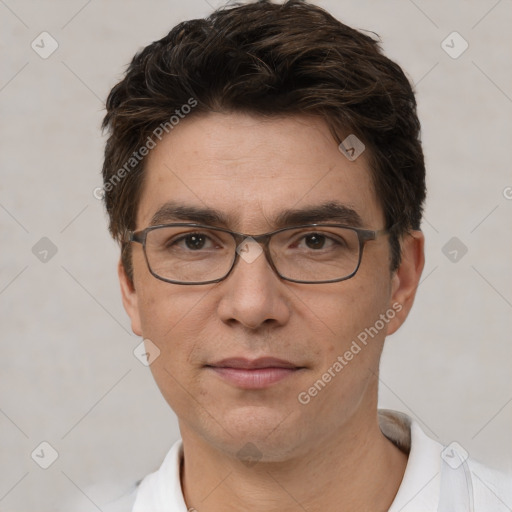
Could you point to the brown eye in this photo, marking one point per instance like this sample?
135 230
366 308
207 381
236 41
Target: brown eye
315 241
195 242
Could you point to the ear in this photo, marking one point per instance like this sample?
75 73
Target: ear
130 299
405 280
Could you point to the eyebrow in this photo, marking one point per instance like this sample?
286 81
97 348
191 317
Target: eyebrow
326 212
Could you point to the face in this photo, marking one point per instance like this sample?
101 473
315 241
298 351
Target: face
215 340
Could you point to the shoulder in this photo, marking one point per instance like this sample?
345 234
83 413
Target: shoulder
161 491
492 489
157 491
123 503
107 496
442 478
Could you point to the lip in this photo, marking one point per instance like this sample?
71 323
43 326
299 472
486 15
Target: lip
254 374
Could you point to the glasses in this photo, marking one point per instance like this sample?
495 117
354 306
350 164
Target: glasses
184 253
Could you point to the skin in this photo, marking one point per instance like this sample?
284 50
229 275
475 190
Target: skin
329 454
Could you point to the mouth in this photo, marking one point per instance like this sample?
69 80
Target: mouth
254 374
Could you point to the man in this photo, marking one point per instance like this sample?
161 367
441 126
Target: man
265 179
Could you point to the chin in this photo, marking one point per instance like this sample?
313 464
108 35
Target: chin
259 433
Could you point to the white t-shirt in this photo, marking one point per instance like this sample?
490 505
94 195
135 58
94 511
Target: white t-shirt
436 479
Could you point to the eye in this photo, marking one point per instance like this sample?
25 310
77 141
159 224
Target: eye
318 241
193 242
315 241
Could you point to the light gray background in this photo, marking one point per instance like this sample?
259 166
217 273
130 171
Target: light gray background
69 376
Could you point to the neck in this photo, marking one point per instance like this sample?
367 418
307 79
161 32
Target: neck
354 469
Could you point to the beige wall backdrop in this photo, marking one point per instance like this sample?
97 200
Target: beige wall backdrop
69 378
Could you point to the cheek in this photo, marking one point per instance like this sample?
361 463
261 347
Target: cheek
346 311
350 333
170 317
182 322
174 322
348 350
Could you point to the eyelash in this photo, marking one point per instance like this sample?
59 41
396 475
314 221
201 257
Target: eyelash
298 238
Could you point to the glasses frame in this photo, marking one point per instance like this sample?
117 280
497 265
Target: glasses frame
363 235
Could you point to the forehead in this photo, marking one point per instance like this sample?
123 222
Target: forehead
251 170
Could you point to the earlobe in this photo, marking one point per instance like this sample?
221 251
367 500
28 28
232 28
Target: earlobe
406 278
130 299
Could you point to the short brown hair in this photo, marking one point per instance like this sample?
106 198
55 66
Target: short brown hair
269 59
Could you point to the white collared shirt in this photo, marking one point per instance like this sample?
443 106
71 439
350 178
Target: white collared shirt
436 479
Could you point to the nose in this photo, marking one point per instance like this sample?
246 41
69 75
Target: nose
254 295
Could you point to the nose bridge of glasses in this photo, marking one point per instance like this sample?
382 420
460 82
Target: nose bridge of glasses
243 242
250 247
263 239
